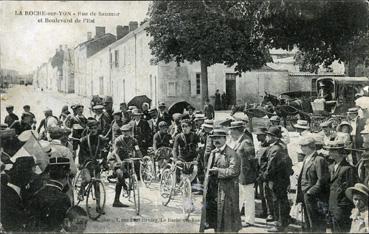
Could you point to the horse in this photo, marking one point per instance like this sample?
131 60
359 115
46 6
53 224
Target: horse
284 107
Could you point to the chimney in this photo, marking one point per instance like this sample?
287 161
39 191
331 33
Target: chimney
89 36
122 31
100 31
133 25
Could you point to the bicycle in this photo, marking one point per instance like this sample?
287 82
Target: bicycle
147 170
95 192
169 186
132 186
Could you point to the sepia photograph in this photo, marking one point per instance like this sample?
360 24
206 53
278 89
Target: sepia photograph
184 116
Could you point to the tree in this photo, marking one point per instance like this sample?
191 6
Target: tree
187 30
324 30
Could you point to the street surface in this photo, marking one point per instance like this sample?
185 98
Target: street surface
154 216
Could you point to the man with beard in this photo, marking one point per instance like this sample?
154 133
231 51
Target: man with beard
221 189
244 146
277 174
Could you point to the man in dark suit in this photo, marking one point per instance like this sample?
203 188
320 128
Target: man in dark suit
142 131
243 144
163 114
24 124
277 175
103 119
312 186
13 215
49 205
342 176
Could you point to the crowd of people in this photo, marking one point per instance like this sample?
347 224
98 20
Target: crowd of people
231 166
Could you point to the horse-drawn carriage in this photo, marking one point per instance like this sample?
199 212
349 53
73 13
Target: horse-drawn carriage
331 100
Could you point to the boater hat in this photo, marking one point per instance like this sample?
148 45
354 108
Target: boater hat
237 125
358 187
218 133
302 124
343 123
209 123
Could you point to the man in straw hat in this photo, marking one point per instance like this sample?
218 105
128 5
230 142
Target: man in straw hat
244 146
359 196
277 174
302 127
49 205
312 185
342 176
221 189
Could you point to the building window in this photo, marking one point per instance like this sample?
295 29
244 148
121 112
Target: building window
111 60
116 58
101 85
171 89
198 83
231 76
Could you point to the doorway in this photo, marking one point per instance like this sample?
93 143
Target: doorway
231 89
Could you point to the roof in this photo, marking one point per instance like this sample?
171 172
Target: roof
346 79
129 35
106 35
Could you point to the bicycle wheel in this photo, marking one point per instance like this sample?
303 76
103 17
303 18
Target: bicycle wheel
187 202
167 184
96 197
146 171
76 184
136 193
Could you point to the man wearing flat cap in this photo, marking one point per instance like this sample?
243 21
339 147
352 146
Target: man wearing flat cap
342 176
125 147
243 144
49 205
11 117
277 175
77 122
90 150
13 213
221 188
313 185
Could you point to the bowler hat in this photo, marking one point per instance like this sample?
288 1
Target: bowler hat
218 133
237 125
302 124
108 99
275 131
358 187
126 127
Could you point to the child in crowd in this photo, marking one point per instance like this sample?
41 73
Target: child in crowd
359 215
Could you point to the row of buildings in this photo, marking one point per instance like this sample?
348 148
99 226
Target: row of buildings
120 66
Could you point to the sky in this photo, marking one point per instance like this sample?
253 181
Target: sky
26 44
